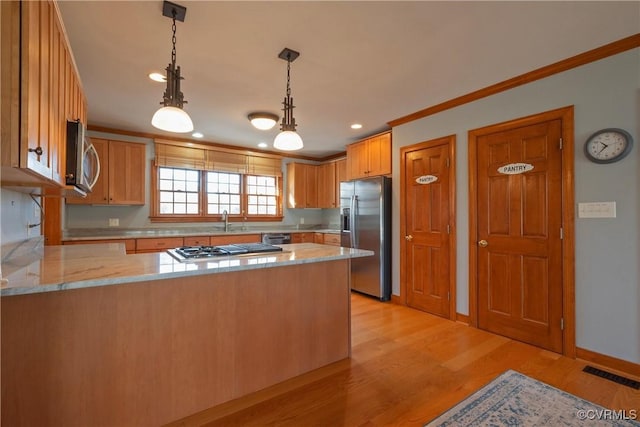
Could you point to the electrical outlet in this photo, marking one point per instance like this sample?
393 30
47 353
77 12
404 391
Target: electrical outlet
114 222
301 220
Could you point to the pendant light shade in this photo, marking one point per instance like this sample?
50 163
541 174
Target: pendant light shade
288 139
171 117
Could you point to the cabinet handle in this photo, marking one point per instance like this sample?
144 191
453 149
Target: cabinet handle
37 150
408 238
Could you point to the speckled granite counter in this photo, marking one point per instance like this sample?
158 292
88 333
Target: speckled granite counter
56 268
123 233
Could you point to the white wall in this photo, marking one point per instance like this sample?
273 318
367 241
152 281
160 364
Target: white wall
605 94
17 211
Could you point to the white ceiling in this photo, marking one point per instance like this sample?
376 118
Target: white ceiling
366 62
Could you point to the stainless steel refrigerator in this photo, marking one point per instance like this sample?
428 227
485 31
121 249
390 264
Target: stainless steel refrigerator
365 210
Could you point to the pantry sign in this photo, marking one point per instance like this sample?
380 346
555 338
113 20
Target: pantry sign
426 179
515 168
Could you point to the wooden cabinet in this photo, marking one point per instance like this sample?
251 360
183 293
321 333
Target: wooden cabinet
40 92
236 238
159 244
129 244
318 238
329 177
327 185
303 237
370 157
302 185
197 241
331 239
122 174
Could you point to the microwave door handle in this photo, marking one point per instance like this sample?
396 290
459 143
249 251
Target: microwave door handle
97 174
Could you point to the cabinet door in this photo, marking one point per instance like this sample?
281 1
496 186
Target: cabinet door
341 175
379 152
236 238
160 244
126 174
311 186
357 160
302 181
35 88
327 185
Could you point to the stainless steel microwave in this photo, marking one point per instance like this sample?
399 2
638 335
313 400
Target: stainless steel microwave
83 162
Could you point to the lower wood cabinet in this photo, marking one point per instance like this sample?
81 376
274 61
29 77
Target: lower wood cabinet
158 244
331 239
129 244
303 237
197 241
236 238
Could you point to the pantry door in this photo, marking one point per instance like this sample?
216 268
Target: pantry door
428 239
519 231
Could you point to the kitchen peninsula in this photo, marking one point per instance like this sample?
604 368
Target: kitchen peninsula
91 336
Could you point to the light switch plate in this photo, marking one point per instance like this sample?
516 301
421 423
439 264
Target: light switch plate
114 222
597 210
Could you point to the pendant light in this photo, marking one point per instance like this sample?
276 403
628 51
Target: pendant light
288 139
171 117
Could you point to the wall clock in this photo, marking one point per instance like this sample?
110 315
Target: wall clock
608 145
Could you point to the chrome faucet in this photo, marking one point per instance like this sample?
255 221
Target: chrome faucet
225 218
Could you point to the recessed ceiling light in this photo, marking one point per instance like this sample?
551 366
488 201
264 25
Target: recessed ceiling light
263 145
197 135
356 126
157 77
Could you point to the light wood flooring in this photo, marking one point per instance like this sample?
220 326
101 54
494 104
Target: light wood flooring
406 368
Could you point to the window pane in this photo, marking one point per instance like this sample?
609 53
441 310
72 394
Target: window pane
166 173
271 210
179 174
253 210
212 209
192 208
166 196
221 195
251 180
175 190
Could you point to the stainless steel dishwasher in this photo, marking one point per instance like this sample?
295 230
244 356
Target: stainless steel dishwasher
276 238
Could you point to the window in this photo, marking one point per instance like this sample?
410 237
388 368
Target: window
179 191
193 195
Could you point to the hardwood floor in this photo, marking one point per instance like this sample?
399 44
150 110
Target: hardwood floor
406 368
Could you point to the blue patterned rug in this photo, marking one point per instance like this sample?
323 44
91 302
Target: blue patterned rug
514 399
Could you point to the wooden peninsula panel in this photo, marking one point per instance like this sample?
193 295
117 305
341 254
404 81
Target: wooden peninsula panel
149 353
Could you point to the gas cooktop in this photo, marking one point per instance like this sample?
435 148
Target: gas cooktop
194 253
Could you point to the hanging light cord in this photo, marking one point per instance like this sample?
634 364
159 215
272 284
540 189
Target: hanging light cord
173 38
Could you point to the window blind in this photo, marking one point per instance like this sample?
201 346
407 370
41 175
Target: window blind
202 157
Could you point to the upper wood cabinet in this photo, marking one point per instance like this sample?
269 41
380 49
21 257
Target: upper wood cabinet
40 92
122 174
329 177
302 185
327 185
370 157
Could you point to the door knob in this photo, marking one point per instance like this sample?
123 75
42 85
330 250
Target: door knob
409 237
483 243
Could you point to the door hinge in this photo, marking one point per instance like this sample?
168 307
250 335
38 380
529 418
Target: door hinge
562 323
448 229
561 233
447 162
561 143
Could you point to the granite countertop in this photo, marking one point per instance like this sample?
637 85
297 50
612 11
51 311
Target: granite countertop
58 268
129 233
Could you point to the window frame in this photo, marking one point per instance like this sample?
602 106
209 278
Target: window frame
202 216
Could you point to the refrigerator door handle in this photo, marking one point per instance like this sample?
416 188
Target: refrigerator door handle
354 221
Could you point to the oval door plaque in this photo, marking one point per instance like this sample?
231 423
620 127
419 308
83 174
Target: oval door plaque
515 168
426 179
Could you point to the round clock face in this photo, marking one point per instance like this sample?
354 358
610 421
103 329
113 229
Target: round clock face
608 145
